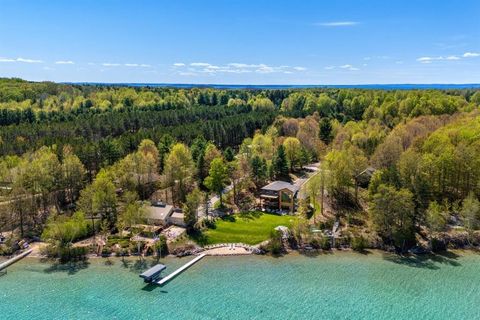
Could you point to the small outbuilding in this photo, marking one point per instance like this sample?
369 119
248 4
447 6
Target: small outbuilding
364 177
177 218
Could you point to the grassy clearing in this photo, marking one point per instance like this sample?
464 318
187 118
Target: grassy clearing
250 228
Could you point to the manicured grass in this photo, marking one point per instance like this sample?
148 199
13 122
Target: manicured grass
250 228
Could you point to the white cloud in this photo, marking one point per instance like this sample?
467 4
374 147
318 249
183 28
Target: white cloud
130 65
179 64
428 59
243 65
2 59
265 69
300 68
452 58
29 60
439 58
471 54
348 67
337 24
237 67
137 65
187 73
199 64
64 62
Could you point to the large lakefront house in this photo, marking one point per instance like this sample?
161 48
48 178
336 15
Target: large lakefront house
279 195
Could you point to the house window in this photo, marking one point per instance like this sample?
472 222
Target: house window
286 197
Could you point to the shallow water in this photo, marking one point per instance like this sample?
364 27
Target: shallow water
335 286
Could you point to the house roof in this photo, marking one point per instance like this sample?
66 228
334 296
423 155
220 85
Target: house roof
280 185
177 215
159 211
369 171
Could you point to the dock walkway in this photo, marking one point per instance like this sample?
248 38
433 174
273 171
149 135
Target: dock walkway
180 270
15 259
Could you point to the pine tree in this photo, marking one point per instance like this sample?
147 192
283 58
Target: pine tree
280 164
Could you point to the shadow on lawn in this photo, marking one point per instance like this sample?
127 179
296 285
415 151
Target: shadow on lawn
199 237
251 215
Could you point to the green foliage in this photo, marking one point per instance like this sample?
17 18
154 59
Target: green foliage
359 243
80 145
275 245
179 169
62 231
133 213
436 216
100 198
217 177
325 130
280 166
293 152
190 208
470 212
161 247
392 212
259 170
229 154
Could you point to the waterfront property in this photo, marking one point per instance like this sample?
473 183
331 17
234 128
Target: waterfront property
249 228
162 214
279 195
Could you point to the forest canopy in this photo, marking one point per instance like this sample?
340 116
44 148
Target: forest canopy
70 148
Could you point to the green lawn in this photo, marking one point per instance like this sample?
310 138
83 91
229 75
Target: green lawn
250 228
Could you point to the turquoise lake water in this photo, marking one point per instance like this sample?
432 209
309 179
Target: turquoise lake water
334 286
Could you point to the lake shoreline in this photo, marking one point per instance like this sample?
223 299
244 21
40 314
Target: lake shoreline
290 255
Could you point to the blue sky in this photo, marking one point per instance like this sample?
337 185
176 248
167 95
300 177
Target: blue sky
241 42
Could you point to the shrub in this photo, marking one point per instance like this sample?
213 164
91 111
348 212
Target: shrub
161 246
326 245
275 245
5 250
359 243
316 243
106 251
438 244
122 252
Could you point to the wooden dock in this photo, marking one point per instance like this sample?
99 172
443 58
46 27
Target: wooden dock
15 259
180 270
